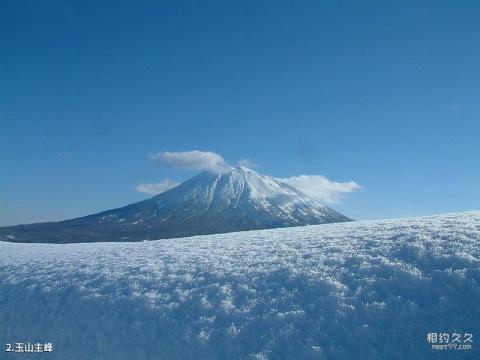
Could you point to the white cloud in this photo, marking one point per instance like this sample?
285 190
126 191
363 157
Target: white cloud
321 188
156 188
246 162
193 160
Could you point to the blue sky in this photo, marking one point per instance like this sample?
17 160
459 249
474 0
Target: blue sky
383 93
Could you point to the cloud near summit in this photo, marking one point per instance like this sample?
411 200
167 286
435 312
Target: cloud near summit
156 188
192 160
316 186
321 188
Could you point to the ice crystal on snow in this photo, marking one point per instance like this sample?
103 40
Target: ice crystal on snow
363 290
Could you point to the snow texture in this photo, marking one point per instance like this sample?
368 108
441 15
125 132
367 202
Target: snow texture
361 290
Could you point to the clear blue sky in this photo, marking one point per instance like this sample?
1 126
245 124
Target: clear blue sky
384 93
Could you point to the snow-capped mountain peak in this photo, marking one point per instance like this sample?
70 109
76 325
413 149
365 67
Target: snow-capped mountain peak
242 187
235 200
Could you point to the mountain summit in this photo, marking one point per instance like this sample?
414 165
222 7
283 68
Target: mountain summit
238 199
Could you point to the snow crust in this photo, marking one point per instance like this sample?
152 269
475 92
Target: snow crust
361 290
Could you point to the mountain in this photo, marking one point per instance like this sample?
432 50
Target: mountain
240 199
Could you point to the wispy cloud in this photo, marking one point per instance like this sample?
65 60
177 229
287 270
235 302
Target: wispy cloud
193 160
156 188
321 188
246 162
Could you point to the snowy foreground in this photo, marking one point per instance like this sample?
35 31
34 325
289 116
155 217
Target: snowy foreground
363 290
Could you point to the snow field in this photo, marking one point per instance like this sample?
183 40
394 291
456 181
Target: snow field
361 290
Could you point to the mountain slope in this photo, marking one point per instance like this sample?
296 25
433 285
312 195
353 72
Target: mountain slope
240 199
